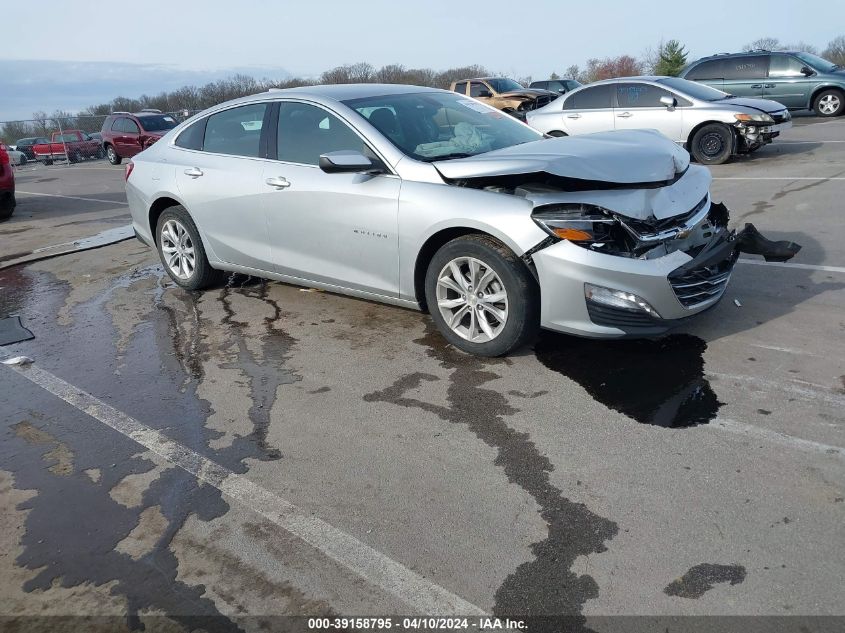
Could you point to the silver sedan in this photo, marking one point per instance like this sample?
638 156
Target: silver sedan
711 124
430 200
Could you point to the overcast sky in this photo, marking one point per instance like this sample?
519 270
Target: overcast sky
533 37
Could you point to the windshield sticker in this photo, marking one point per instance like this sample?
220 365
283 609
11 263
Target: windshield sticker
169 119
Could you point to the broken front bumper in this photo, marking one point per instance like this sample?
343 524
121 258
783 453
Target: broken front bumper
674 287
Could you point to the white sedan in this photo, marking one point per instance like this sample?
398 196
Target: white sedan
712 125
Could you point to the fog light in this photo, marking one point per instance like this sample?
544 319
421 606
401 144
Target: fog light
618 299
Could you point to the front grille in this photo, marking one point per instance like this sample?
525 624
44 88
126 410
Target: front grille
702 284
656 226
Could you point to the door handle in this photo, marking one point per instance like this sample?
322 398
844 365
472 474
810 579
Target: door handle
573 116
756 85
625 115
278 182
193 172
768 85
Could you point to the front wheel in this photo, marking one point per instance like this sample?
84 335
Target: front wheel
712 144
481 296
180 248
829 103
114 159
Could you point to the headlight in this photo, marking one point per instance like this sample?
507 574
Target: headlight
758 118
575 222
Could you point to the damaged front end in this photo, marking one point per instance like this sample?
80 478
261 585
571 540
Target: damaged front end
638 277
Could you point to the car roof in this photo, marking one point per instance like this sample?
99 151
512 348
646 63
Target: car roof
620 79
342 92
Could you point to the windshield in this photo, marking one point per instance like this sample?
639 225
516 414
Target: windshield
693 89
820 64
437 125
157 123
504 85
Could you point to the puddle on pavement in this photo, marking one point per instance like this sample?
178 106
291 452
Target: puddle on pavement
659 382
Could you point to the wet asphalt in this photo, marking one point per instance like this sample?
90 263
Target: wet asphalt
702 473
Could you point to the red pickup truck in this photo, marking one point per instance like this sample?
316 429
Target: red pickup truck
70 145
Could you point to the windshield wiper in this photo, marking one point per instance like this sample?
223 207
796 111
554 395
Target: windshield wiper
431 159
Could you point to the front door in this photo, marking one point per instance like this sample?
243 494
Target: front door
338 229
786 83
222 182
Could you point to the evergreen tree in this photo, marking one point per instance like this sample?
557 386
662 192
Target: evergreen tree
671 58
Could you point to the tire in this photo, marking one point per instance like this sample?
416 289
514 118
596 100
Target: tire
7 206
513 320
48 162
22 161
557 133
178 223
829 103
111 154
75 157
712 144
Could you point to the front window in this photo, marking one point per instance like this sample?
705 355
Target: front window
158 123
820 64
693 89
504 85
785 66
306 131
432 126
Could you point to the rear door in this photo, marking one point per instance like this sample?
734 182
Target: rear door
745 76
589 110
339 229
786 83
218 167
638 107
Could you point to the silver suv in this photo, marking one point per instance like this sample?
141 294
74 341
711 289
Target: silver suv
432 200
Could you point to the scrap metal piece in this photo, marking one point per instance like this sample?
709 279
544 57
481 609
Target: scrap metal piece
752 242
18 360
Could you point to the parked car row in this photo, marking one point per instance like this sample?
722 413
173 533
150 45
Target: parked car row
432 200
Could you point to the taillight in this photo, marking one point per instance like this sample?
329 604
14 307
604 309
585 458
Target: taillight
4 155
129 167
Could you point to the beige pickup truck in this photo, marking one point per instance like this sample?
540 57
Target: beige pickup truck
504 94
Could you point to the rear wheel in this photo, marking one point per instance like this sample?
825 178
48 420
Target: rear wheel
48 161
111 154
829 103
7 205
481 296
712 144
181 251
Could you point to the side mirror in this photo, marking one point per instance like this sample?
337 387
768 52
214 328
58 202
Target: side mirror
485 94
347 162
807 71
669 102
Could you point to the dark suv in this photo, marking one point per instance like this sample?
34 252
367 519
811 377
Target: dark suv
798 80
25 145
125 134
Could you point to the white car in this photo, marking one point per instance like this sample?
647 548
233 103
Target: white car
711 124
16 157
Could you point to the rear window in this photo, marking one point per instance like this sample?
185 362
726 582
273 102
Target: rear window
236 131
191 137
707 70
157 123
461 87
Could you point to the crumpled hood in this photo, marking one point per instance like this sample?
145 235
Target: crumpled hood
624 156
761 105
527 92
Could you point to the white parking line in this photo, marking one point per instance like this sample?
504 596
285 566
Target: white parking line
777 437
57 195
422 595
778 178
806 142
760 262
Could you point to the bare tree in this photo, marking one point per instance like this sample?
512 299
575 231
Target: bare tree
764 43
835 50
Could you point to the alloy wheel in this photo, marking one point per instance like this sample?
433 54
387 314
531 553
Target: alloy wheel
472 299
829 104
178 249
